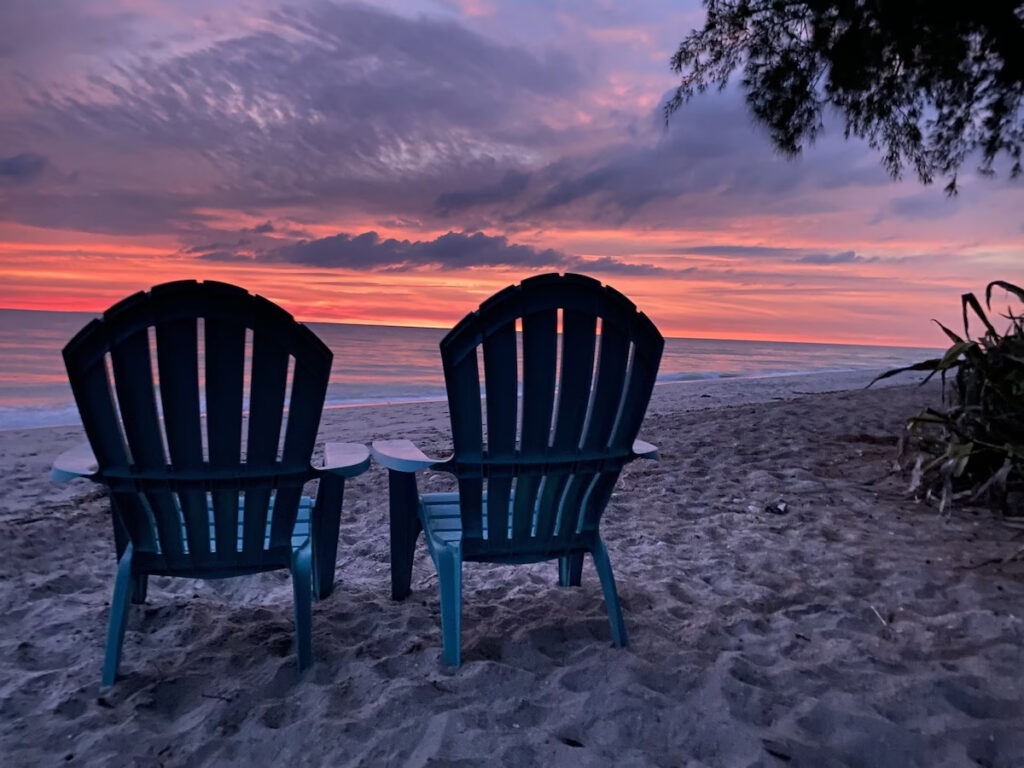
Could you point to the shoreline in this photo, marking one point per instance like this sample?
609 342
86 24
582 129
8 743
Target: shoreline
850 378
856 628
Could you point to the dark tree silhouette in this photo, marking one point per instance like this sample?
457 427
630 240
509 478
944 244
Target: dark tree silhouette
926 82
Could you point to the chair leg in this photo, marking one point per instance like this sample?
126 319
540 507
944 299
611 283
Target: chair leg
611 595
403 501
303 594
140 585
449 576
325 524
570 570
121 537
123 585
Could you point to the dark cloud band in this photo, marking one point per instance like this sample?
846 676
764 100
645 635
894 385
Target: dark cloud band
453 250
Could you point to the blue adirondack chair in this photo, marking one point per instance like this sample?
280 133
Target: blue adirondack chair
535 489
186 499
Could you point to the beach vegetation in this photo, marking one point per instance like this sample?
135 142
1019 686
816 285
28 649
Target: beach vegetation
927 83
973 445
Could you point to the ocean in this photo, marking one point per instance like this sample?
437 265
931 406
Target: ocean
386 364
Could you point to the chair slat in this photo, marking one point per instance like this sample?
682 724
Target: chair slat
550 504
254 519
467 427
471 492
133 514
576 492
640 384
579 337
195 513
601 417
500 376
225 520
178 363
285 509
501 380
578 333
267 382
225 372
309 387
540 357
463 383
133 380
597 500
225 364
608 388
99 417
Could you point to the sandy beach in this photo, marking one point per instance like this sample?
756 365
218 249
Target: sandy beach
856 628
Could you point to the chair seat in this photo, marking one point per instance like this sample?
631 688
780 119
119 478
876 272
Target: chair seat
442 521
300 534
439 513
219 564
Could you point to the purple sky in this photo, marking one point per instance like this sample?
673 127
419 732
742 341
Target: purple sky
341 158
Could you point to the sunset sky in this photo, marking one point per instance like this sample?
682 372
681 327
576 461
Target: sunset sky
398 162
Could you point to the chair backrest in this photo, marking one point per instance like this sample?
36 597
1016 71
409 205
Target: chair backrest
584 394
179 350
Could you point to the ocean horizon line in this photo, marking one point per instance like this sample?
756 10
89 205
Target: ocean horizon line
448 327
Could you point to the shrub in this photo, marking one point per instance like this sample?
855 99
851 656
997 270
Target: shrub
973 446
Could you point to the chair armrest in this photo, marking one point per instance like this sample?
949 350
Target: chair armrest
402 456
79 461
345 459
644 450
